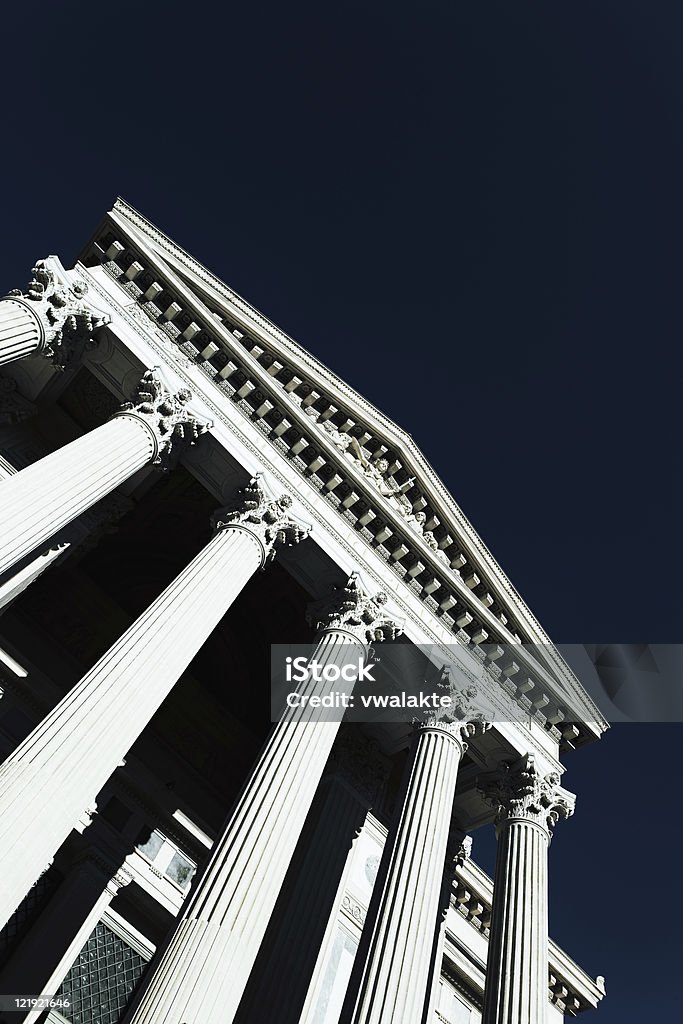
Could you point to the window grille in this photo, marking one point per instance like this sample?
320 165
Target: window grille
101 982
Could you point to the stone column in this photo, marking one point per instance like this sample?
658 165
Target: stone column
458 852
49 319
12 586
79 537
39 500
205 968
528 805
392 981
354 781
59 769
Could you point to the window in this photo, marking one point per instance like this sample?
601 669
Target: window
102 980
336 978
166 858
450 1007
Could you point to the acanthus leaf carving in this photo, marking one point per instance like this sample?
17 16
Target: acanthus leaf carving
166 414
69 323
352 609
462 718
520 791
265 515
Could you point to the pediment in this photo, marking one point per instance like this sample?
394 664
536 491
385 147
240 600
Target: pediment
365 465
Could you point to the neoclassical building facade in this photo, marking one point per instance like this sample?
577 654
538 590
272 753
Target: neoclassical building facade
182 486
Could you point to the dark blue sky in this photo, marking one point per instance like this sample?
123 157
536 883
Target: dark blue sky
473 213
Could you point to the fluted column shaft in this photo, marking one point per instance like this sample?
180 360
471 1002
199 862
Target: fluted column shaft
393 982
528 804
39 500
303 920
14 585
203 972
459 847
517 965
59 769
21 331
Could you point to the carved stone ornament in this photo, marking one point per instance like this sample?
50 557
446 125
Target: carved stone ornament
520 791
351 608
165 413
458 850
266 516
68 322
377 473
463 852
461 718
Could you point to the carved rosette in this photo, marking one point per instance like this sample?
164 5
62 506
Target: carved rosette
68 323
350 608
520 792
165 414
268 518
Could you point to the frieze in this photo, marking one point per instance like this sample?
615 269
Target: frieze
373 466
271 332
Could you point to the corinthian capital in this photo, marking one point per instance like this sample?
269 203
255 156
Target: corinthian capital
462 717
352 609
165 414
68 322
519 791
268 517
